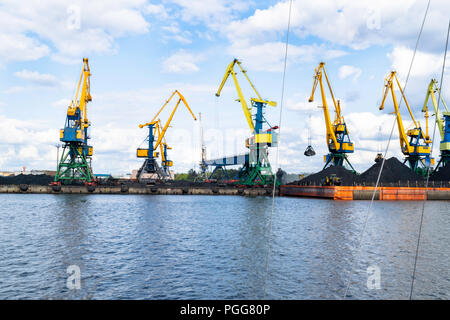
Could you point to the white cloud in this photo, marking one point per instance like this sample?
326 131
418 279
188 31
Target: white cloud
356 24
35 77
269 56
214 13
18 47
174 32
27 142
300 103
61 103
28 152
13 90
182 62
157 10
58 30
425 64
346 71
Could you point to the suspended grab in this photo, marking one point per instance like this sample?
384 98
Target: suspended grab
309 152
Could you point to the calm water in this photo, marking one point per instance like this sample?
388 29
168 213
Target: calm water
214 247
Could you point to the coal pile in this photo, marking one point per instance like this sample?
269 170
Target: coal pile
31 179
347 176
442 174
393 172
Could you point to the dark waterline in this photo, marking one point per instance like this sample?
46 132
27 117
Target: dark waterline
214 247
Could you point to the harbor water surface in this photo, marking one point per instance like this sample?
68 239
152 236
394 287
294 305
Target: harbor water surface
215 247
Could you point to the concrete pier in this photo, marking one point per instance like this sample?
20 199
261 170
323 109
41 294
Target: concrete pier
151 190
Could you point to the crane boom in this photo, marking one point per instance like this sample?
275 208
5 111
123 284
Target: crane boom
245 108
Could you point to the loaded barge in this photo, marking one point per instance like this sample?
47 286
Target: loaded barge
366 193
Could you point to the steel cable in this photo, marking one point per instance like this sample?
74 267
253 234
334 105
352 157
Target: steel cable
428 173
277 153
382 164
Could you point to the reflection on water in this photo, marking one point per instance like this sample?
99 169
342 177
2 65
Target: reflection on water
214 247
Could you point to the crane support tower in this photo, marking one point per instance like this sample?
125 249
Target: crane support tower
203 166
256 169
414 143
442 122
337 135
156 139
75 162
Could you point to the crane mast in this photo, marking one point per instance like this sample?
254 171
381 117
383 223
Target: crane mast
414 143
203 165
156 139
337 135
75 162
256 169
442 121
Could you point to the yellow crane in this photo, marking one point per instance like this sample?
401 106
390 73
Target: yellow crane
337 135
157 132
75 162
256 168
414 143
442 121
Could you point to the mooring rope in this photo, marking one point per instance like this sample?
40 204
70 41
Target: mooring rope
382 163
277 153
428 173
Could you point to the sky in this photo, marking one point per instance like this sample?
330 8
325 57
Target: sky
141 51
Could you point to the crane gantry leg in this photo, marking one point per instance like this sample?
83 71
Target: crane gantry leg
73 165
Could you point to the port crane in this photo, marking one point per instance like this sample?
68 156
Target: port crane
75 162
156 139
203 166
442 121
337 135
256 169
414 143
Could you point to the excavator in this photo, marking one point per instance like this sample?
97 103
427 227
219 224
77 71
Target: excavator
74 166
337 135
414 143
442 122
156 131
256 169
